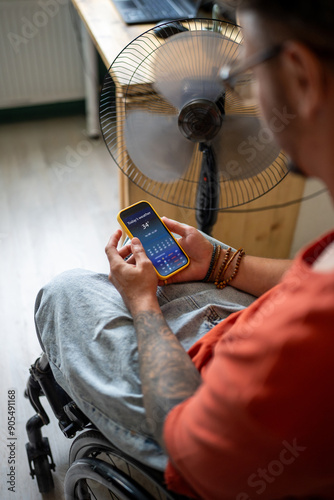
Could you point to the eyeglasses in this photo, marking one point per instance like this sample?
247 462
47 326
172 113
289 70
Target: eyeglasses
239 77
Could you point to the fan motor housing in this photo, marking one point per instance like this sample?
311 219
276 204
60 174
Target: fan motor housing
200 120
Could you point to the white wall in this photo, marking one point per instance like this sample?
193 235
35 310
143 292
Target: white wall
316 216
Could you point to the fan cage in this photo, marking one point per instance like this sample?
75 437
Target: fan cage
129 84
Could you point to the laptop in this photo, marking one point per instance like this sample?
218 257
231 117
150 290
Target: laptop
153 11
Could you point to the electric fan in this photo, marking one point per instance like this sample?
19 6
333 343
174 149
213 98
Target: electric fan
175 131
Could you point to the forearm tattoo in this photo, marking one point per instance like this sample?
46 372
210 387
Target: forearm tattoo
168 375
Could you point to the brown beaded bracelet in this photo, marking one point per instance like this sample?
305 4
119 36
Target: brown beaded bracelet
223 265
222 284
230 261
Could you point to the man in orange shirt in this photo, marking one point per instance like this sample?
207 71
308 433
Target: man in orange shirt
256 420
248 411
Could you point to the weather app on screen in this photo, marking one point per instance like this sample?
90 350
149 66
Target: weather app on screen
159 246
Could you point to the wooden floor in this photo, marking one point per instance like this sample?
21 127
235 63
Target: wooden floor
58 205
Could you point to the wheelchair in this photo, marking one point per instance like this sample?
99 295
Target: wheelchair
97 468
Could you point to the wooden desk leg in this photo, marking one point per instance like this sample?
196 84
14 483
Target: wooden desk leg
91 83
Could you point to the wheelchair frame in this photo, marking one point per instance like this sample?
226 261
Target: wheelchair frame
121 475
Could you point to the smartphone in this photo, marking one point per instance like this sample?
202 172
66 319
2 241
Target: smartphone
165 253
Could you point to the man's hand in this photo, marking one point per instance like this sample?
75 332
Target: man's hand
196 246
136 279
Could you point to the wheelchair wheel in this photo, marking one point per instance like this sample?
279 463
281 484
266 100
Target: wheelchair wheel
98 470
91 478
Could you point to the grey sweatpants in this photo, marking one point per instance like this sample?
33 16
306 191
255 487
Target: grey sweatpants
88 335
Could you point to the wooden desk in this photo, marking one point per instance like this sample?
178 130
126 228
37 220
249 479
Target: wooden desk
265 233
106 28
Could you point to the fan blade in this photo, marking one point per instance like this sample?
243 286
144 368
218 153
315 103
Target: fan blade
244 147
156 146
188 64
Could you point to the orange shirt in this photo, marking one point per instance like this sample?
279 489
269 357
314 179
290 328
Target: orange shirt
261 425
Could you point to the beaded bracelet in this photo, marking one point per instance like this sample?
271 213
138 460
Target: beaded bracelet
228 263
211 263
222 284
223 265
216 260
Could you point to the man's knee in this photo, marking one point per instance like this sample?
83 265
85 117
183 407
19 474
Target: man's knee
62 286
54 295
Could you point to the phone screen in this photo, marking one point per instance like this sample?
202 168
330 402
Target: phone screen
160 247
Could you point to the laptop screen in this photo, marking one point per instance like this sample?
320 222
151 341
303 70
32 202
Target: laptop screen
153 11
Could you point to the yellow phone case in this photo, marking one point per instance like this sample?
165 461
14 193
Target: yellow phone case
128 232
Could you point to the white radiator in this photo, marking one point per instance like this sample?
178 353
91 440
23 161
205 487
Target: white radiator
40 59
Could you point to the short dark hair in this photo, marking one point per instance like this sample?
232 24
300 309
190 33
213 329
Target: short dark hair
309 21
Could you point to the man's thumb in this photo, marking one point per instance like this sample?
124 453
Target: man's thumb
136 246
138 250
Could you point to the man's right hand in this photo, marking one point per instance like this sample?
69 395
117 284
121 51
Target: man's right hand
196 246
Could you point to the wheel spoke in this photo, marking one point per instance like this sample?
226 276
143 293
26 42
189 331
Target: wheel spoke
111 459
106 493
91 492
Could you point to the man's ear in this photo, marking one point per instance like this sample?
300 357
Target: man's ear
307 80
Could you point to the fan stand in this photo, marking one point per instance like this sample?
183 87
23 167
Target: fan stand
200 121
207 196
